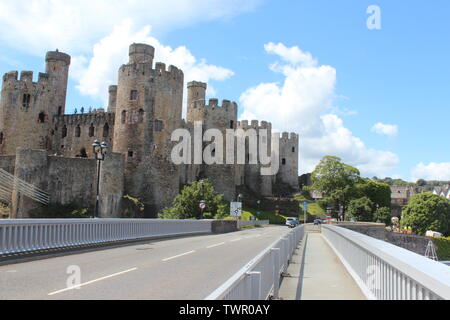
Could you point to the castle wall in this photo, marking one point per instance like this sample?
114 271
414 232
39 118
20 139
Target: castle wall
8 163
67 181
71 133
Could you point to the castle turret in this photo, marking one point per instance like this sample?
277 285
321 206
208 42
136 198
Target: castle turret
141 53
112 98
57 67
196 94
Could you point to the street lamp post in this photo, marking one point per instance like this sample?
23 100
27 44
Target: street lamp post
259 208
99 152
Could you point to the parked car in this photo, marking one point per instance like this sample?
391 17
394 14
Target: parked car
318 222
445 262
292 222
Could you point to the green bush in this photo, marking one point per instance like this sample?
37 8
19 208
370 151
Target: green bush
61 211
443 248
186 204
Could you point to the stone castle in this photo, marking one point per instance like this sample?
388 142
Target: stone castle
42 145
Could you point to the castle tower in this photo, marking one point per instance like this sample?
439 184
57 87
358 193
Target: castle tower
27 107
57 67
148 109
112 99
289 153
196 97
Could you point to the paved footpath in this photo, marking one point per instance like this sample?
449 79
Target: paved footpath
325 277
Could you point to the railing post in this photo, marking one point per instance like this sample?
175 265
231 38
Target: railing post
276 271
255 284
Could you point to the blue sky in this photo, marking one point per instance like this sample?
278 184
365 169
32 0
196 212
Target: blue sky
380 99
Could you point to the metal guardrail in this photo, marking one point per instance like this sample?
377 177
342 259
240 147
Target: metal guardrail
252 223
18 236
260 278
384 271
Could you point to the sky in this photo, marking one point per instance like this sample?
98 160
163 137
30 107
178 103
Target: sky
367 81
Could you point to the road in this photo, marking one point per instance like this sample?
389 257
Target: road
173 269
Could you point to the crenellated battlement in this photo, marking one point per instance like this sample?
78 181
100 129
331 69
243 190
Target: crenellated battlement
289 137
11 79
254 124
144 69
213 104
85 119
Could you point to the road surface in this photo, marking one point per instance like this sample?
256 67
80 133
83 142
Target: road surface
176 269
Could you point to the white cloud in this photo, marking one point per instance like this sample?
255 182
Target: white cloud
35 26
432 171
389 130
303 103
96 74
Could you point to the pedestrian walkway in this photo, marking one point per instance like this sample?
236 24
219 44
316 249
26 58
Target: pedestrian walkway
324 276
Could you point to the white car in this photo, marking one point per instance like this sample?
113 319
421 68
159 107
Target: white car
292 222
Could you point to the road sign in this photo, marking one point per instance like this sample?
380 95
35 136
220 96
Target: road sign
202 205
236 209
305 206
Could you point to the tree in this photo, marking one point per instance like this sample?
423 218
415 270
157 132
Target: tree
421 183
336 180
361 209
186 204
382 215
426 211
379 193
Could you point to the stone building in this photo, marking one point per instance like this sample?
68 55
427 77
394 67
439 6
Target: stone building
42 145
400 195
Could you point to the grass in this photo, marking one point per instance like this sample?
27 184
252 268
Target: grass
313 208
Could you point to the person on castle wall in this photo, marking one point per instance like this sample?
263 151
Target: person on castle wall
82 110
90 109
75 111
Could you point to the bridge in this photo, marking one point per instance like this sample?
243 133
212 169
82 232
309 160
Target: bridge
185 260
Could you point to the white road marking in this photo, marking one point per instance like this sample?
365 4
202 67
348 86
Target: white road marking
178 256
216 245
90 282
238 239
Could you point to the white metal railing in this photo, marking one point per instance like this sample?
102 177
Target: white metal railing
384 271
252 223
31 235
260 278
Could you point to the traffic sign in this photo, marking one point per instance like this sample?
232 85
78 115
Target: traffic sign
305 206
236 209
202 205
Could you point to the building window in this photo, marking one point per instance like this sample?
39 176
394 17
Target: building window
159 125
26 100
130 154
105 130
1 137
231 124
59 111
133 95
64 132
41 117
124 117
293 149
141 116
283 162
78 132
91 130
